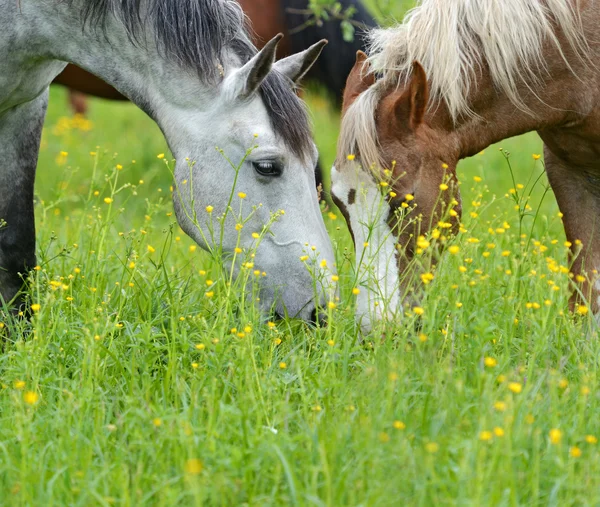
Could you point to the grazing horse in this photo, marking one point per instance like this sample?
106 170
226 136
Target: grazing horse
449 81
267 19
190 65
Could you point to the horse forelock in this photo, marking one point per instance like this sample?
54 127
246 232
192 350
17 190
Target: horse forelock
198 34
454 40
358 133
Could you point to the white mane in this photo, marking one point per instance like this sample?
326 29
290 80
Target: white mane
452 39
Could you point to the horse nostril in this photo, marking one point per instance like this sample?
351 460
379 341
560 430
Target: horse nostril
318 318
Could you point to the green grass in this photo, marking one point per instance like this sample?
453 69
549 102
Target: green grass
129 387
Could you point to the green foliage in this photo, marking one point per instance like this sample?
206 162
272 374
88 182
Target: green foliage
146 378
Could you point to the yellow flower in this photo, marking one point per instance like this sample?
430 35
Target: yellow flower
36 307
515 387
193 467
282 365
335 278
331 343
418 310
332 216
426 278
351 157
157 421
356 291
563 383
555 436
210 294
500 406
31 397
443 187
241 195
239 227
499 432
200 346
209 209
119 167
304 258
432 447
422 242
151 249
490 362
399 425
160 156
271 324
575 452
383 184
454 249
505 253
108 200
19 384
331 305
536 156
324 263
591 439
485 436
582 310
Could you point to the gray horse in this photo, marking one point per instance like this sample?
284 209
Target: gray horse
190 65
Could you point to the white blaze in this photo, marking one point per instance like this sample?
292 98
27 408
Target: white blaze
375 244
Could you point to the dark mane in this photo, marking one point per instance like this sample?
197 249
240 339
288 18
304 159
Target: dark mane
196 34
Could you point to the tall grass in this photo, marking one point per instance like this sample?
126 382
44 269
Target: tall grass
143 378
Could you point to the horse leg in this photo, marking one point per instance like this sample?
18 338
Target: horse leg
577 191
20 132
78 102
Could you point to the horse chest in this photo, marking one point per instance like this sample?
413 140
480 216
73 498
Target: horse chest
24 80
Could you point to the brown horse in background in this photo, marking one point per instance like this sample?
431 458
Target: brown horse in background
267 18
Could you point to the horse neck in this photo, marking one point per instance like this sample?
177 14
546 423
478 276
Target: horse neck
496 118
137 71
560 97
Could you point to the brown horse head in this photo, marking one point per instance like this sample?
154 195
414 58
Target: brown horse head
394 180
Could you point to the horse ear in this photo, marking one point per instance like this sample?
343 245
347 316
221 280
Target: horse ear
359 80
296 66
419 95
246 80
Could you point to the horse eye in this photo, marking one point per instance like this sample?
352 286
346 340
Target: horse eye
268 168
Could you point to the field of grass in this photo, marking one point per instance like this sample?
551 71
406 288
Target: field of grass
131 387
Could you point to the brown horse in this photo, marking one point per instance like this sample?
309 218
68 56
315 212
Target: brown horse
443 86
267 18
